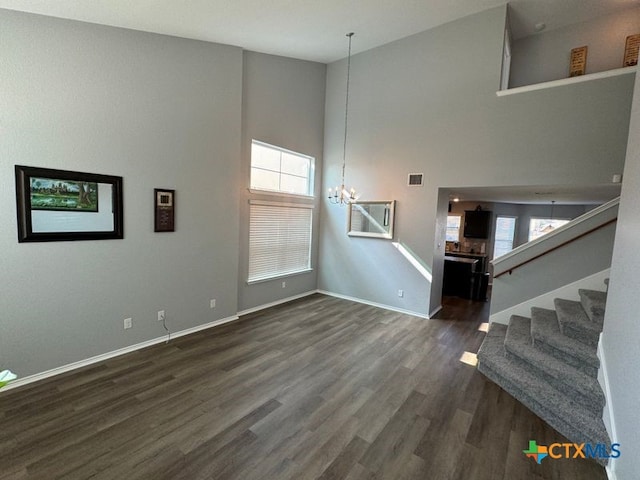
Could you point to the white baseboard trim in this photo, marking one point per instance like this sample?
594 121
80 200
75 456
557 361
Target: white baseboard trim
434 311
277 302
607 412
138 346
569 292
115 353
374 304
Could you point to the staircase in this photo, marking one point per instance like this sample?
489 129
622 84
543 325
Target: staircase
549 363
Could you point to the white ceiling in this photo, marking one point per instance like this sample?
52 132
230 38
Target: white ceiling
309 29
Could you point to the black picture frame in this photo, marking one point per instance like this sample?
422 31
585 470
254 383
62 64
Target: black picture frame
65 224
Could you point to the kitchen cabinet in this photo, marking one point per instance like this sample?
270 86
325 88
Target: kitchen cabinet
477 223
465 276
458 276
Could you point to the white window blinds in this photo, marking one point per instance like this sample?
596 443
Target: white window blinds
279 239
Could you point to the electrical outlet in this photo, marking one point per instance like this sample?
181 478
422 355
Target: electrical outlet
284 284
401 293
161 316
128 323
213 303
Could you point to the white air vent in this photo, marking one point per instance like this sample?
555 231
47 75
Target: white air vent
415 180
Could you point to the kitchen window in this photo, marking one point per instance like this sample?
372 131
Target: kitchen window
505 234
453 228
541 226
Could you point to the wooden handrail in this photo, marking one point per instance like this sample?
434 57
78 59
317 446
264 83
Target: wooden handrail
510 270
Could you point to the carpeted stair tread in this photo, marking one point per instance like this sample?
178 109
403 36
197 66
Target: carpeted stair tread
580 387
547 336
594 303
575 323
556 408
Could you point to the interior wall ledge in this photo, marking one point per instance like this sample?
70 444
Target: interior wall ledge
567 81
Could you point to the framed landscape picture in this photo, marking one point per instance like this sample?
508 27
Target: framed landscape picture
63 195
61 205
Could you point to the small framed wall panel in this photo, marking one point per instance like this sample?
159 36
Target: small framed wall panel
164 210
631 48
578 63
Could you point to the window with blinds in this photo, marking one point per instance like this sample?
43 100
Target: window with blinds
279 239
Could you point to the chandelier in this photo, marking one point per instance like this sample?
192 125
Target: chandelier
342 196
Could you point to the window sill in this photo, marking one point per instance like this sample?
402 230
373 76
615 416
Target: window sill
272 193
279 277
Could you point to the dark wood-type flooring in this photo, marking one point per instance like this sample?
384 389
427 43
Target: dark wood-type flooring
318 388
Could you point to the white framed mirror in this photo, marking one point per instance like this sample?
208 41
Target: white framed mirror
371 219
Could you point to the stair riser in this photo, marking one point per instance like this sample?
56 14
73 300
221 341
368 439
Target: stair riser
575 362
588 401
548 337
594 304
586 337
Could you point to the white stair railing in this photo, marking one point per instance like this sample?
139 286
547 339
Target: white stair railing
577 228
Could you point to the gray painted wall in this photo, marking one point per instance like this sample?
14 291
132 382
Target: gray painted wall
621 336
283 105
545 56
157 110
427 103
583 257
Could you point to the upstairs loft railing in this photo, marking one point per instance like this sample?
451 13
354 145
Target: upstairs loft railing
579 227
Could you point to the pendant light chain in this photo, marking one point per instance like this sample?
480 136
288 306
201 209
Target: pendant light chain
346 109
341 196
